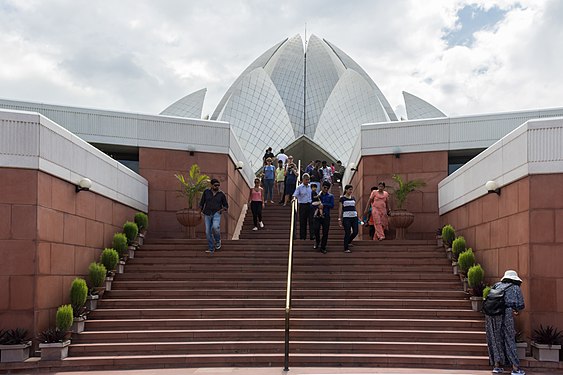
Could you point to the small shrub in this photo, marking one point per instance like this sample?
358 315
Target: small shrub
64 318
486 291
475 277
130 230
458 246
78 295
97 273
16 336
109 259
547 336
142 221
120 243
448 235
465 261
51 336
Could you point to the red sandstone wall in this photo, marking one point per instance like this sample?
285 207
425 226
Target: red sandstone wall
432 167
49 235
158 166
522 229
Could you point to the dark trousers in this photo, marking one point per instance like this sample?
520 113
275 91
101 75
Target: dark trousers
350 225
325 224
305 217
371 231
256 208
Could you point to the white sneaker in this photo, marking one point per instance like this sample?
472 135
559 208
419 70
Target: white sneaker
261 225
255 228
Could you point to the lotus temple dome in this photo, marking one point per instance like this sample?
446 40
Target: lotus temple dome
290 92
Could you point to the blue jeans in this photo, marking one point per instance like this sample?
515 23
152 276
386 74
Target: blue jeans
268 190
213 230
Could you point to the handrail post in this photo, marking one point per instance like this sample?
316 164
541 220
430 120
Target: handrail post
289 271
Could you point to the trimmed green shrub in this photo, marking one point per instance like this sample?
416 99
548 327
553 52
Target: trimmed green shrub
465 260
109 259
458 246
78 295
97 273
448 234
64 318
120 243
130 230
475 276
486 291
142 221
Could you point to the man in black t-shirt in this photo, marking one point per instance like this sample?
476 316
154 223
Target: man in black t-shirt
213 202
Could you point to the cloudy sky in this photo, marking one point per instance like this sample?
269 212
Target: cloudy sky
139 55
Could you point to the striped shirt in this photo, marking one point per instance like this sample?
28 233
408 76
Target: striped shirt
348 206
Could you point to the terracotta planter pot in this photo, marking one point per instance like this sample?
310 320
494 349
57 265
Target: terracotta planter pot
400 220
189 218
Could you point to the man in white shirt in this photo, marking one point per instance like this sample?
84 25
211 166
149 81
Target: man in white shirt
282 156
303 194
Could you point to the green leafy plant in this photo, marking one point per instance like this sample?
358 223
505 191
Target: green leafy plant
78 295
64 318
486 291
475 277
51 336
142 221
16 336
97 274
109 258
465 260
448 235
120 243
192 185
404 188
547 336
130 230
458 246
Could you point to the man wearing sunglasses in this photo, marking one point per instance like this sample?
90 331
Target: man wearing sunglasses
213 202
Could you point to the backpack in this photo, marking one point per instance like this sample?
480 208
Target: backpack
494 304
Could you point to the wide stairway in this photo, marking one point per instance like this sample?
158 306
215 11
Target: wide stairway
389 303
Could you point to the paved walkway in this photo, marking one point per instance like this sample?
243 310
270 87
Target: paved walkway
294 371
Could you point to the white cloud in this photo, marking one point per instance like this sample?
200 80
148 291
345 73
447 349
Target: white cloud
140 55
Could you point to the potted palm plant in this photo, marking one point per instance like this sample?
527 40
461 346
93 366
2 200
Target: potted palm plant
191 188
14 345
546 343
54 342
400 218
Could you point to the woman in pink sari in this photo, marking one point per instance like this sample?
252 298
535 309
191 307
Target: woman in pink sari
379 200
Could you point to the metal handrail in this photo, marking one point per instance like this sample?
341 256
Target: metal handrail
289 271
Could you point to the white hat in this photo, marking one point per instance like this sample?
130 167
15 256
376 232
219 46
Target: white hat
512 275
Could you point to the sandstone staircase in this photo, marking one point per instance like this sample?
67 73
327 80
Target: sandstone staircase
389 303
